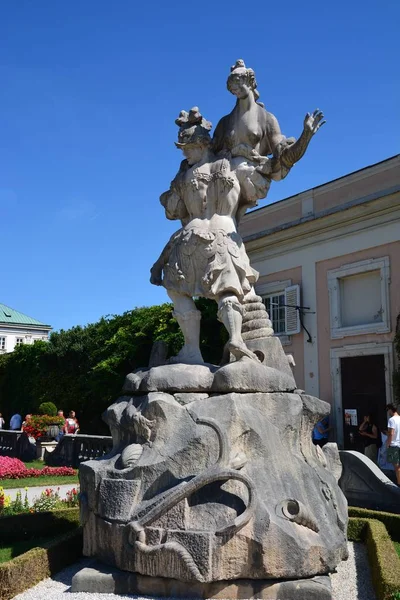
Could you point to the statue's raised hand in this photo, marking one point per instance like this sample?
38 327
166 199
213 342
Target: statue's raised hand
313 122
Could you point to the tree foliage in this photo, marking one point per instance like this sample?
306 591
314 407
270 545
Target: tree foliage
83 368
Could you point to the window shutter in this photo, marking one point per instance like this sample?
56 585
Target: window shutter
292 317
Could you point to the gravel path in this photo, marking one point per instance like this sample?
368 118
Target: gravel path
35 491
351 582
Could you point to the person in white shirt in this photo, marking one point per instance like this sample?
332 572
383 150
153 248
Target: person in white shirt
393 440
2 422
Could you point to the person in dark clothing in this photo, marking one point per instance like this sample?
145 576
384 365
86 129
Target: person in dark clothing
371 437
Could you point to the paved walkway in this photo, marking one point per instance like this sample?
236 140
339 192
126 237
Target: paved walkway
35 491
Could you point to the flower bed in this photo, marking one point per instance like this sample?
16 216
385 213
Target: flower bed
13 468
47 501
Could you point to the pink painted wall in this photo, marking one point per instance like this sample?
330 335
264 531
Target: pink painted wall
335 193
276 214
325 343
297 341
352 190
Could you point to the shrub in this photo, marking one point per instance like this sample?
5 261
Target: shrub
28 525
390 520
383 559
26 570
48 408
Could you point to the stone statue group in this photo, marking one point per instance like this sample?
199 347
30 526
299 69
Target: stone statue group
220 178
213 488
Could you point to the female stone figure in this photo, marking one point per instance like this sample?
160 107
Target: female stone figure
253 133
206 257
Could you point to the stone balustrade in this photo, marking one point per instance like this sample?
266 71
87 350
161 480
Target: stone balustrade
71 450
9 442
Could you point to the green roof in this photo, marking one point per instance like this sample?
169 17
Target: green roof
9 315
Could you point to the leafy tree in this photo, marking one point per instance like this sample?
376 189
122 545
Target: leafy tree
83 368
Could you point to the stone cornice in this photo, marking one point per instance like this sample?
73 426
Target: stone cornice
333 222
389 164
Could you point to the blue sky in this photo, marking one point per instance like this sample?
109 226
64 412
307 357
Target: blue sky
89 94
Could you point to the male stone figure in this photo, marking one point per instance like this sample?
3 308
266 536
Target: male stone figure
207 257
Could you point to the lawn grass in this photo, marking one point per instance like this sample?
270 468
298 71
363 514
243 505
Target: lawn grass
9 552
49 481
35 464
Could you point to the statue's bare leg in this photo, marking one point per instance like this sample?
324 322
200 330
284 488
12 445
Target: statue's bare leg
230 314
188 317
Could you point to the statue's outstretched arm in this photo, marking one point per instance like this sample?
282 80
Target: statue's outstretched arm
294 152
288 151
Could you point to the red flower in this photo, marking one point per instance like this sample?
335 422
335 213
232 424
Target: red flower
13 468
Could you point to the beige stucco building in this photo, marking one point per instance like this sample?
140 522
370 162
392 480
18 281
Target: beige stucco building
334 251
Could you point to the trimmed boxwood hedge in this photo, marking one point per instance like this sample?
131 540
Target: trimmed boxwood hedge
390 520
383 560
28 525
26 570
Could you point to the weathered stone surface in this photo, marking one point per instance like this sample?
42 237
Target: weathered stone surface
159 352
178 378
247 375
98 578
187 397
132 382
234 469
269 350
334 464
117 498
364 484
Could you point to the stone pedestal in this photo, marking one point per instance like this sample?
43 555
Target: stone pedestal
42 447
214 486
98 578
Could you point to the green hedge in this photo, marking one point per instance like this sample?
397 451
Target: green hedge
28 569
390 520
28 525
383 560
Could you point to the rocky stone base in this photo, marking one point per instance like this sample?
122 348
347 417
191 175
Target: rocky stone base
99 578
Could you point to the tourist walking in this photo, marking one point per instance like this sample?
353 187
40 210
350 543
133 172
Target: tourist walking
16 422
393 440
61 433
71 423
371 437
321 432
28 417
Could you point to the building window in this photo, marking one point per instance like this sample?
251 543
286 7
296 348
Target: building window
275 305
359 298
281 299
19 341
2 343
